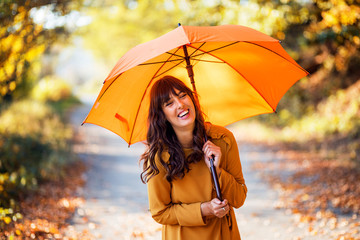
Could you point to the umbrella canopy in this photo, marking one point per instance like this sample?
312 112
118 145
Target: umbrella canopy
239 72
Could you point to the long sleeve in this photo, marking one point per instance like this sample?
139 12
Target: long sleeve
164 211
232 183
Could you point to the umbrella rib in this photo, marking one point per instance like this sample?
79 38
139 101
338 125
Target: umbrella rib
169 69
184 59
143 96
109 86
99 98
200 60
202 54
242 76
279 56
173 54
205 52
197 49
150 63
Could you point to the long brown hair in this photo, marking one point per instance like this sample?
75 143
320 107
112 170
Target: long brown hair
161 136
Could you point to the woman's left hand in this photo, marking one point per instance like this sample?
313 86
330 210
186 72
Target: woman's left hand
210 149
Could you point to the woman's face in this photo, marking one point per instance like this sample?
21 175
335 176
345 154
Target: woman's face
179 110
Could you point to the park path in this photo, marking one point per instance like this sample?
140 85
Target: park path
116 204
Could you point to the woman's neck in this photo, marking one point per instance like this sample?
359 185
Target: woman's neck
185 138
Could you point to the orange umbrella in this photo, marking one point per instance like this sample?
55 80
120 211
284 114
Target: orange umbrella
239 73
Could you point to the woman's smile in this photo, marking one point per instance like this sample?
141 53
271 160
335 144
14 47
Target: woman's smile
184 114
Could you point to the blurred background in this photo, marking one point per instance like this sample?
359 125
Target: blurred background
55 54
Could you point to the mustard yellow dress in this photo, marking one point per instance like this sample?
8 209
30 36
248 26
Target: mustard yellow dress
176 205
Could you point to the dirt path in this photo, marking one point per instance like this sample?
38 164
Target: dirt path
116 204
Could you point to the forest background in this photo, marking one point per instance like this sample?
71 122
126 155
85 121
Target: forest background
320 113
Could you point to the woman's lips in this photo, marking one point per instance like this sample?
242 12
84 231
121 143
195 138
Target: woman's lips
183 114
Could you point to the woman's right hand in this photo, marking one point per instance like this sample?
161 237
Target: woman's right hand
215 208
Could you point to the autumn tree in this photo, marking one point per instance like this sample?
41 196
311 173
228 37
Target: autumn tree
24 37
325 35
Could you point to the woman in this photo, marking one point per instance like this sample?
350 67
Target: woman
176 167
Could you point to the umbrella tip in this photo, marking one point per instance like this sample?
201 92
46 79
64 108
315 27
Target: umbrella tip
179 24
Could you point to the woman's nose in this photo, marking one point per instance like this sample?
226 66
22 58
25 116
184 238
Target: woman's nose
179 103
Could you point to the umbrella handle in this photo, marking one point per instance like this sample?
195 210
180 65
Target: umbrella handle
214 175
215 178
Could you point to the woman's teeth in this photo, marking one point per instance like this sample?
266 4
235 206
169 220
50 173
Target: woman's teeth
183 113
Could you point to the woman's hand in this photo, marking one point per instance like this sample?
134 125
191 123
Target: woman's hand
210 149
215 208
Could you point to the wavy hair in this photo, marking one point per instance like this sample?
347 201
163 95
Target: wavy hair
161 136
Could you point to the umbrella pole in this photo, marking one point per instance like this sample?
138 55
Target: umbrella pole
214 175
189 68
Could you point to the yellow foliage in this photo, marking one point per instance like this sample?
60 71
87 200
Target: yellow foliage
29 39
9 68
13 46
38 29
12 124
51 88
3 31
35 52
285 115
21 9
33 118
356 40
340 113
3 90
4 177
329 19
341 14
280 35
6 43
12 86
19 18
7 220
19 68
18 232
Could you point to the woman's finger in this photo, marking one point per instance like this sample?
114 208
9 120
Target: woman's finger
209 148
219 208
212 151
216 201
221 212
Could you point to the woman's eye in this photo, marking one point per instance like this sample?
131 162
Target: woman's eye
168 104
183 95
